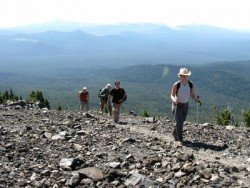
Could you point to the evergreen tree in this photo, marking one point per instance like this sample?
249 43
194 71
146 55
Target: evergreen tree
37 96
59 108
6 95
1 99
32 97
246 116
11 96
47 104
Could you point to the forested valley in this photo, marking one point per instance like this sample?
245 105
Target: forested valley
220 85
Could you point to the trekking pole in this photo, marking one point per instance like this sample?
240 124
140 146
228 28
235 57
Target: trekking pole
174 106
197 110
175 109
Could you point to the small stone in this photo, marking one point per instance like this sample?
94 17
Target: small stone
205 124
92 172
48 135
114 164
72 181
33 177
204 180
150 119
230 127
86 181
214 177
78 147
179 174
66 163
57 137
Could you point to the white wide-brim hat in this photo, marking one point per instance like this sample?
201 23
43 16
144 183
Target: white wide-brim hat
184 72
84 89
108 86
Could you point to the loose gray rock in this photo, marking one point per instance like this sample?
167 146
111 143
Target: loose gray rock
92 172
93 151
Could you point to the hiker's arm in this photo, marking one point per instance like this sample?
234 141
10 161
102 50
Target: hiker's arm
123 98
193 96
173 95
102 93
109 98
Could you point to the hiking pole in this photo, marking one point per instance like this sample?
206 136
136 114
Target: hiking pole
197 109
175 109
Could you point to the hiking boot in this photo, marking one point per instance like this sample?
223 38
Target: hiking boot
174 135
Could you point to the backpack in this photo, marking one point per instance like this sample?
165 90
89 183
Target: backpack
125 97
179 85
84 96
103 94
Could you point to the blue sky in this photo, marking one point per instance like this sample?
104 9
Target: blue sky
232 14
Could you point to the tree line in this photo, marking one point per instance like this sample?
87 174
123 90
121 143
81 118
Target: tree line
221 116
34 96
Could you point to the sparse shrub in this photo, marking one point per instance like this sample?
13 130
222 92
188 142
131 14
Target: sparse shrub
145 114
223 117
246 118
59 108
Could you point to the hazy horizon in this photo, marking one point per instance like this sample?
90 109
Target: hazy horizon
223 14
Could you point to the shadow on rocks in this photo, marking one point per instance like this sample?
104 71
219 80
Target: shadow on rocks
122 123
200 145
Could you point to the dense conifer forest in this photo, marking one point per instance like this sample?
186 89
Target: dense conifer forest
221 85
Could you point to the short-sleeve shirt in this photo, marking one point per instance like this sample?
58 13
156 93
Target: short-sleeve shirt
117 94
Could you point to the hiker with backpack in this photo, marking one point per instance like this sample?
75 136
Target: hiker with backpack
181 91
84 99
118 96
103 95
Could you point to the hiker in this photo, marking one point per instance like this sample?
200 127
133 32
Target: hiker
180 93
103 95
118 96
84 99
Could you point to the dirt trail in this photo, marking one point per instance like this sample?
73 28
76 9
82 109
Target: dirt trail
201 154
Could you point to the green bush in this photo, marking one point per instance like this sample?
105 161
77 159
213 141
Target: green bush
145 114
223 117
246 118
59 108
36 96
8 95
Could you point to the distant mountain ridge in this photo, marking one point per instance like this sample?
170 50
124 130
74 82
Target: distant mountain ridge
126 44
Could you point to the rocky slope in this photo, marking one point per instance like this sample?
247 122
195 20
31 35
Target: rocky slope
41 148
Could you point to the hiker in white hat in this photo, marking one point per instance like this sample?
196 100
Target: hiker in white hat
84 99
103 95
181 91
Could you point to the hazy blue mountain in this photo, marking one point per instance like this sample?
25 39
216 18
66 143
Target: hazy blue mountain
125 44
96 29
